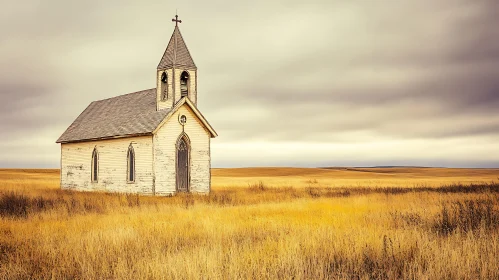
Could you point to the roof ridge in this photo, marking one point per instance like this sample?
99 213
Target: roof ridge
121 95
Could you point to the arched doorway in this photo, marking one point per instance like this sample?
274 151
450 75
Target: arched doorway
183 158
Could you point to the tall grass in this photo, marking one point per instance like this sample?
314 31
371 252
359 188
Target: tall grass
257 232
467 216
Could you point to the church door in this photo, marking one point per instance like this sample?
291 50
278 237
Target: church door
183 165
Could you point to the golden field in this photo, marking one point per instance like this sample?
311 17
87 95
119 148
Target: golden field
258 223
351 177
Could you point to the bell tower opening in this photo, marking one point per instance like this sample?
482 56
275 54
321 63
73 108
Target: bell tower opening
184 84
164 86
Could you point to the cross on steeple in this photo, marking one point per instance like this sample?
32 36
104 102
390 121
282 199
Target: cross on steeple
176 20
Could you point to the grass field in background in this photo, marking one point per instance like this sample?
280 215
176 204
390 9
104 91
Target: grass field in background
277 223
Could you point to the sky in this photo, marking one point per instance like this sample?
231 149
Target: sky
284 83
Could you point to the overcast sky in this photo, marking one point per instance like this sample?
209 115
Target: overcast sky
284 83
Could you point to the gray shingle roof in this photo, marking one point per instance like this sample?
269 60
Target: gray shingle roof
120 116
176 53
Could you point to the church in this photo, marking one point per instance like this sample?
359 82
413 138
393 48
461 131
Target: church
153 141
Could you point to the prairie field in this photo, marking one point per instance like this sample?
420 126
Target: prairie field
258 223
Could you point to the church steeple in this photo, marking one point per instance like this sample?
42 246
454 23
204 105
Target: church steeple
176 72
176 53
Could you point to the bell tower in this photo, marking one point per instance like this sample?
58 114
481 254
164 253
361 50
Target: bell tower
176 75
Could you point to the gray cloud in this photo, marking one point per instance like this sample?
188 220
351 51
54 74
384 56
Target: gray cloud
342 75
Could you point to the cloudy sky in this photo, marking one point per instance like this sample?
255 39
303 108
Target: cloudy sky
284 83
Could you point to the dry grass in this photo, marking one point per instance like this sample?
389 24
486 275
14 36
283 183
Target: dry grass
351 177
315 230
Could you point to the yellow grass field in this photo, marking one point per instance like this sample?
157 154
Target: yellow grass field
258 223
351 177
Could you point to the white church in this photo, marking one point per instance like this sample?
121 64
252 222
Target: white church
152 142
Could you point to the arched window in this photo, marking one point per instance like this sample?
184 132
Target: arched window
130 165
164 86
183 163
184 83
95 166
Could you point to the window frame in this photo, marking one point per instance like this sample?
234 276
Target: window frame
130 165
94 168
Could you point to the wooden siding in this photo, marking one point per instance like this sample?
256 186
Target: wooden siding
164 142
76 159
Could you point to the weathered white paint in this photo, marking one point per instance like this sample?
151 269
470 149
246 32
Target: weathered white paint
164 142
76 159
155 160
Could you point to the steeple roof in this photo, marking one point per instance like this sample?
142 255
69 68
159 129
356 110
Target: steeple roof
176 53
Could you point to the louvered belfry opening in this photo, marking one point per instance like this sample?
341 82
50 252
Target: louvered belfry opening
184 84
183 165
164 81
